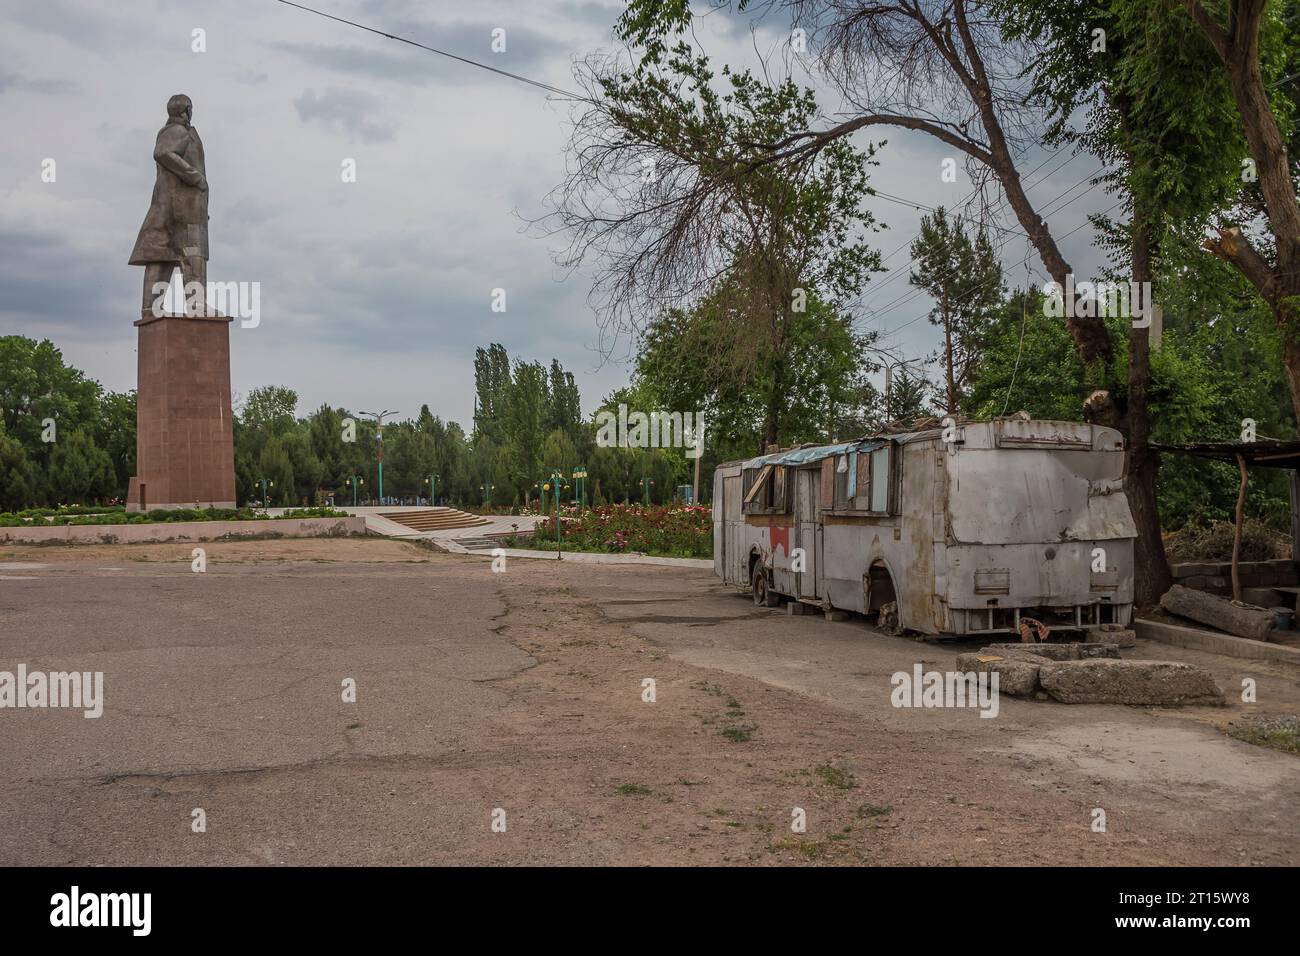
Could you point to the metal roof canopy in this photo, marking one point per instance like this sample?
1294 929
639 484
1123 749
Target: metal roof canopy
1263 454
808 454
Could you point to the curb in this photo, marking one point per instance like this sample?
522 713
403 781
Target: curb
1215 643
589 557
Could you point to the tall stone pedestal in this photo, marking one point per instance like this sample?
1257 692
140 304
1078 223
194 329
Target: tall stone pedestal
184 445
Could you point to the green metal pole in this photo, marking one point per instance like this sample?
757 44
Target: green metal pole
555 478
381 481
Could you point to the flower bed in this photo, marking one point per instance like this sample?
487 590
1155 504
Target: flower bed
677 531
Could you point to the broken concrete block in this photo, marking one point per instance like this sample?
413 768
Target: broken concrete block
1052 652
1107 681
1118 635
1059 652
1016 676
833 615
1090 649
797 607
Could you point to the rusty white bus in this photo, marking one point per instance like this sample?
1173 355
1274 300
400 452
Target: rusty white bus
954 531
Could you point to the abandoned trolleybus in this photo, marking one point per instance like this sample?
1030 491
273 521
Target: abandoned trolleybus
955 531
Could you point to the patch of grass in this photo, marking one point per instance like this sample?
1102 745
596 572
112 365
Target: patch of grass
1285 739
874 810
577 643
708 688
811 849
690 783
835 777
632 790
738 734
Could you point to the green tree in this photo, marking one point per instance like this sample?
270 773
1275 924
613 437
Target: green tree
79 469
524 421
775 237
491 390
961 273
274 465
115 433
17 480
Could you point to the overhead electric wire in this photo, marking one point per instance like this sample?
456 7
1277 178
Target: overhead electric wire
896 273
461 59
1001 269
916 293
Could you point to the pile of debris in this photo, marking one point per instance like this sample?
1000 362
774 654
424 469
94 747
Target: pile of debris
1091 673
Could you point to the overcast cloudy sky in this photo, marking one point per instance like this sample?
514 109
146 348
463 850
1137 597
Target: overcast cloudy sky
375 293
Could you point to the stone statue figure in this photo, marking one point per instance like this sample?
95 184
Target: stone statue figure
175 229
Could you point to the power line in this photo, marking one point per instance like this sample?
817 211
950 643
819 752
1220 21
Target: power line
1002 269
1050 156
460 59
907 297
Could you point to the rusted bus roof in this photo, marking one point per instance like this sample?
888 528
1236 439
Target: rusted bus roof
1266 453
807 454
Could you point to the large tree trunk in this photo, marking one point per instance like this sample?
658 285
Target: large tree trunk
1237 44
1244 621
1291 363
1151 577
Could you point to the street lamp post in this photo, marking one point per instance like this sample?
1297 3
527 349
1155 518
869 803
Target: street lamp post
432 482
646 485
487 492
265 483
557 486
379 444
580 482
354 481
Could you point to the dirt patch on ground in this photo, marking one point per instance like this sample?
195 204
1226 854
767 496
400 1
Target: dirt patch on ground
715 768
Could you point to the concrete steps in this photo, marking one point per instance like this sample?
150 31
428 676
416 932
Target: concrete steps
477 543
435 519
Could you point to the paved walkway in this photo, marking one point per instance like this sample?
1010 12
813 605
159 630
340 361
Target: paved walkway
376 523
477 540
594 557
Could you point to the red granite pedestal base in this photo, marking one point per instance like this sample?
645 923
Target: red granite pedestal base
184 445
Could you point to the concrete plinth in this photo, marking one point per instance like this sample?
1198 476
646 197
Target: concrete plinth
185 449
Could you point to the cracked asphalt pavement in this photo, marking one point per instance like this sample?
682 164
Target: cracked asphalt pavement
525 692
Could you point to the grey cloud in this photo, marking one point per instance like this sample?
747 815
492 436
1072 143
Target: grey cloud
12 81
349 109
80 24
384 59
